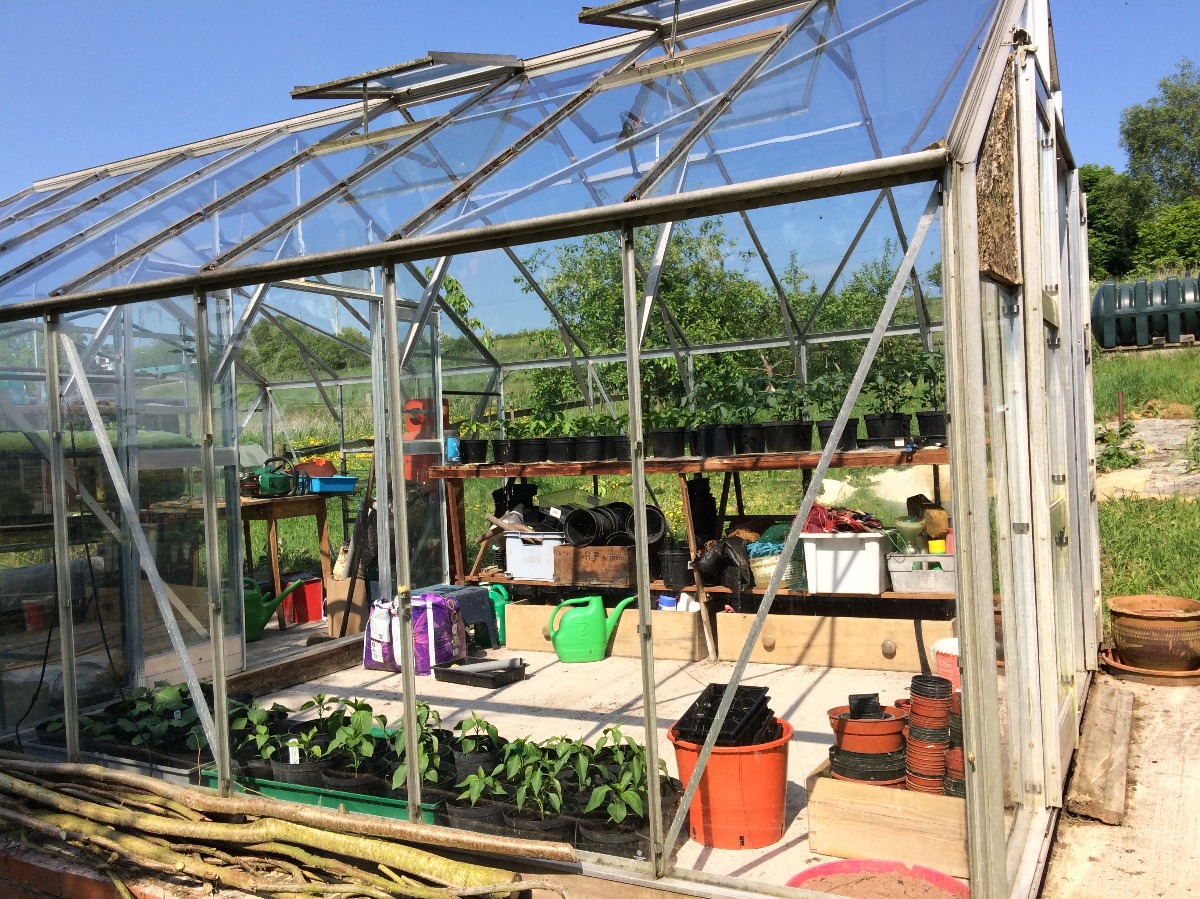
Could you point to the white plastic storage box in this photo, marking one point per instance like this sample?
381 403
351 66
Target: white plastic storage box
847 562
529 556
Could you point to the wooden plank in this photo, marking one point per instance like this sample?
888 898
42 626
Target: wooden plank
884 644
311 664
871 458
849 820
1097 788
594 566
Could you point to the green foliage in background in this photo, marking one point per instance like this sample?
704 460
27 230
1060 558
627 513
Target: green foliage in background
1169 239
1162 138
1116 448
272 353
1147 546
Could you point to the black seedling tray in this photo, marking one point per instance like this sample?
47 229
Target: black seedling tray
493 674
743 726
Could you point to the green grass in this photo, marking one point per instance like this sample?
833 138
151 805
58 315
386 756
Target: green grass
1151 380
1150 546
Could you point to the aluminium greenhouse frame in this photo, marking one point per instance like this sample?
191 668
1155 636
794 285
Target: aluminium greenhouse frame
1000 865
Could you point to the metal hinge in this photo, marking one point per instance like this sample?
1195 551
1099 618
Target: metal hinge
1047 142
1011 308
1020 527
1053 342
1061 538
1036 789
646 629
1058 479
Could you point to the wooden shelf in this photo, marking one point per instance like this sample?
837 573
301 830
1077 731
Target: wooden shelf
867 458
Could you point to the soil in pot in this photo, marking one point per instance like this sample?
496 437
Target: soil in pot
849 439
504 451
932 423
614 839
560 449
532 826
485 817
1158 633
472 452
305 774
884 425
589 448
751 439
349 781
667 443
787 436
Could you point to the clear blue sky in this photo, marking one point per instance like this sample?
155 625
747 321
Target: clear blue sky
93 81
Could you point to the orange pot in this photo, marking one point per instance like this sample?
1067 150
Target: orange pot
867 735
742 795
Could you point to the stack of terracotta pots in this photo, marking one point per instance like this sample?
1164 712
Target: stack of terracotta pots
956 734
956 777
869 742
928 733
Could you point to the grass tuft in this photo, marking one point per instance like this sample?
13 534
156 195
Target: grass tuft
1147 546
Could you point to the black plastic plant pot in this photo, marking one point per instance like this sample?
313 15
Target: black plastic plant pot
305 774
787 436
675 571
932 423
504 451
751 439
610 839
931 686
531 449
656 525
590 448
468 763
531 825
481 818
560 449
888 425
347 781
472 452
667 443
695 442
716 440
849 439
616 446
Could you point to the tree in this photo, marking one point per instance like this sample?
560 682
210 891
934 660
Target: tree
1116 205
1170 239
1162 138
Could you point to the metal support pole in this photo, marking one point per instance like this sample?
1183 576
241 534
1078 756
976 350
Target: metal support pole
379 413
212 529
62 541
130 517
637 452
810 496
403 585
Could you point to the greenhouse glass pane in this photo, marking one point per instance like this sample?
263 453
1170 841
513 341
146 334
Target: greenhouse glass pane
369 210
801 112
596 155
86 218
298 183
66 267
16 205
25 221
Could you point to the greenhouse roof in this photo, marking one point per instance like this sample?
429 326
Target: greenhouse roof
708 97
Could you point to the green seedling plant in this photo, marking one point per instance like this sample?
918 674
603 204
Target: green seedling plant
1117 448
353 736
933 376
257 734
308 747
476 734
482 785
473 429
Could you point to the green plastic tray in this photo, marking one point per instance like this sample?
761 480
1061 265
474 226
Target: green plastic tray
382 806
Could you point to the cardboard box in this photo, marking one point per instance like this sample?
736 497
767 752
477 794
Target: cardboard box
335 606
881 644
595 566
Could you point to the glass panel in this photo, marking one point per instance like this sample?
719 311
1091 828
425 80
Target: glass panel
16 205
803 111
599 153
369 210
70 265
86 218
73 198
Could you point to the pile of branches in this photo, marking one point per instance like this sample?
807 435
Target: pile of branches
115 820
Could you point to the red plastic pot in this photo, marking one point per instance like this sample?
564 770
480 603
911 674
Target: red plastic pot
956 703
741 799
942 881
867 735
954 763
923 784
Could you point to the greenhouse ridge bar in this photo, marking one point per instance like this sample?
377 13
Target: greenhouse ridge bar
733 192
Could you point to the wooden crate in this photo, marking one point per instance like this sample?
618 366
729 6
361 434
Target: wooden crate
850 820
834 642
677 635
595 566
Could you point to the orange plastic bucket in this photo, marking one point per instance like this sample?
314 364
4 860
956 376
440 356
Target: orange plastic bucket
742 796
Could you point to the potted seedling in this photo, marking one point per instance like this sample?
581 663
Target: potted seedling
932 422
592 436
786 430
475 744
531 775
480 804
301 756
528 433
257 738
717 411
826 392
887 390
668 431
353 745
473 440
560 439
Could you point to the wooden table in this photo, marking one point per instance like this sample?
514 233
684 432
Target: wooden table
271 510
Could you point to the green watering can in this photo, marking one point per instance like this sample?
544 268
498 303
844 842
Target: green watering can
259 607
583 630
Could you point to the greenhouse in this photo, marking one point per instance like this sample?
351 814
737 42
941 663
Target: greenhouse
725 219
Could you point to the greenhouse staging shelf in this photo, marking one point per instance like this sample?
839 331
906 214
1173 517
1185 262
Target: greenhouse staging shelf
181 774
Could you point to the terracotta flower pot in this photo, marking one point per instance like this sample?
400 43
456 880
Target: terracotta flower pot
955 763
1157 632
867 735
896 784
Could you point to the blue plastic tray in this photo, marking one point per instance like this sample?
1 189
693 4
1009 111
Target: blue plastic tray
333 484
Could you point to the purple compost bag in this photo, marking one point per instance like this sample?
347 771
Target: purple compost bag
381 642
439 635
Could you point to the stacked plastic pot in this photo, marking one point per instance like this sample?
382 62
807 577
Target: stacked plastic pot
928 733
955 783
869 742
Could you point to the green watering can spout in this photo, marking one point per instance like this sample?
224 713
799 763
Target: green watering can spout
615 615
